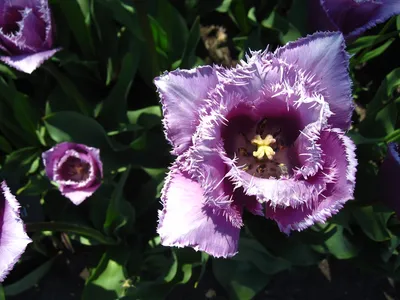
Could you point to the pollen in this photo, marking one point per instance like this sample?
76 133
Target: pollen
263 147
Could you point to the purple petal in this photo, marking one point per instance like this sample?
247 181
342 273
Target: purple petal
13 238
182 94
23 3
45 15
389 178
29 62
323 57
354 17
318 18
78 196
337 180
279 192
53 156
32 30
186 221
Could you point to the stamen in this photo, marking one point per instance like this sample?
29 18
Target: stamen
263 147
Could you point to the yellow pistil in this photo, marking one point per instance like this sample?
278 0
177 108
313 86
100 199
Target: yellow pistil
263 146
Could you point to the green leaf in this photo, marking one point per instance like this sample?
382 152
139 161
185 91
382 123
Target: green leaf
124 14
174 26
172 270
189 58
13 114
79 24
8 71
365 42
115 105
375 52
2 295
29 280
298 16
372 221
338 244
147 117
358 139
24 111
69 126
78 229
224 7
160 37
120 213
149 290
85 8
238 13
106 280
19 163
5 145
68 87
381 111
287 31
240 279
251 251
26 114
393 136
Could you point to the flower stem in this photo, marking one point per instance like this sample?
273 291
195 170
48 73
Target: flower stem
71 228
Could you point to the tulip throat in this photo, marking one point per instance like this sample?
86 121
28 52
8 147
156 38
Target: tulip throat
75 169
263 147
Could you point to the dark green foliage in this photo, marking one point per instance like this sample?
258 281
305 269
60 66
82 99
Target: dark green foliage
98 91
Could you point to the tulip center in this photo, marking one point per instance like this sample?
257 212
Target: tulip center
11 18
262 148
75 169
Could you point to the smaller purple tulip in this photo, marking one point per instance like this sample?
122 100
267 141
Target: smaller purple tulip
13 238
26 33
389 178
76 168
351 17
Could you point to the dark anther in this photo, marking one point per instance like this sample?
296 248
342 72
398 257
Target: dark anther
260 169
243 152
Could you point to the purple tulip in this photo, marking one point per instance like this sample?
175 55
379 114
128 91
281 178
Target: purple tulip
267 136
26 33
76 168
389 178
351 17
13 238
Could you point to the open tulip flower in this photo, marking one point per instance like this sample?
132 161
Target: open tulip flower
26 33
267 135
